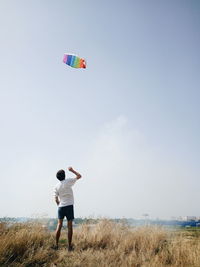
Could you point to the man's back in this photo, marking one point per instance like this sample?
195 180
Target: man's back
63 190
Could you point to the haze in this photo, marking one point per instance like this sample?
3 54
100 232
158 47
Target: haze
129 123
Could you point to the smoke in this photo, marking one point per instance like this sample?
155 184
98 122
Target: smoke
127 176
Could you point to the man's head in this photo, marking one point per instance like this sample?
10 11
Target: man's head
60 175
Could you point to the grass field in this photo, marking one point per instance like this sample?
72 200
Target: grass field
105 244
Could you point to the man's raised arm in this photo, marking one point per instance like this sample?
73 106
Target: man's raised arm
78 175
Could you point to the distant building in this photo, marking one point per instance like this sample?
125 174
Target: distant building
181 218
185 218
191 218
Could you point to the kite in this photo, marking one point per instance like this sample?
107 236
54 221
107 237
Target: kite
74 61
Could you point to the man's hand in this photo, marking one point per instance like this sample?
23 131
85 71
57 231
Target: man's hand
78 176
70 169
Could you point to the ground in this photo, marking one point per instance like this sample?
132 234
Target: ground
104 244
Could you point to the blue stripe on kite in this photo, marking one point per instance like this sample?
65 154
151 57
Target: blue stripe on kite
69 58
72 61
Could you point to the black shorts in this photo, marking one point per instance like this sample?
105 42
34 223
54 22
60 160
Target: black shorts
67 211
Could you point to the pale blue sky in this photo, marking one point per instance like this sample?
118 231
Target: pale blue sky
129 122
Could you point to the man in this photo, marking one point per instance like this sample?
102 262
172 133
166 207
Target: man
65 200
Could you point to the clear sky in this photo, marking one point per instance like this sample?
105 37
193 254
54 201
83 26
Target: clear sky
129 122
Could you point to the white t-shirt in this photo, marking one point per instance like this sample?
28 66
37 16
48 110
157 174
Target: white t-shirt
63 190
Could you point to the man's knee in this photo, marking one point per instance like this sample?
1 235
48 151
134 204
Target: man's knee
69 224
60 223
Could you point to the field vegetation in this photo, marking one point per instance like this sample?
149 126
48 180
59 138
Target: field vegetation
103 244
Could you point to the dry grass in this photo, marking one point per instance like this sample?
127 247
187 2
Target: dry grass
105 244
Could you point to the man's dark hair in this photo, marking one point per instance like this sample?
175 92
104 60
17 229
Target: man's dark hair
60 175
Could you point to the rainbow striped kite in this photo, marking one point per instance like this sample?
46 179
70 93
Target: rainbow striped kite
74 61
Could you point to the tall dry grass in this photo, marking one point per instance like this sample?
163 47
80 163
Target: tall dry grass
105 244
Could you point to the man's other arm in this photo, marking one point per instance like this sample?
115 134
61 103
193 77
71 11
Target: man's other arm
56 196
57 200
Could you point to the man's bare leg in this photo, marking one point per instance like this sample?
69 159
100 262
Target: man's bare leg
70 233
58 230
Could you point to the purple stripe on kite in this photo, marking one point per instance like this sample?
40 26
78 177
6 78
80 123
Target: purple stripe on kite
65 58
